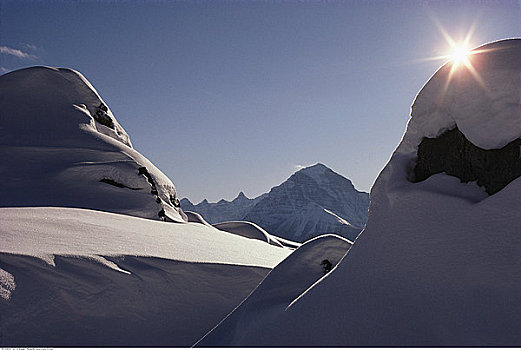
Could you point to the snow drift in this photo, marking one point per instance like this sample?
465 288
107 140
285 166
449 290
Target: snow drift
60 145
309 263
196 217
249 230
77 277
439 261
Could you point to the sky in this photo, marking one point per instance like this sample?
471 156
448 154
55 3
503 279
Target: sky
230 96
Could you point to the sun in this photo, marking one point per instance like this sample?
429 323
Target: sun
460 55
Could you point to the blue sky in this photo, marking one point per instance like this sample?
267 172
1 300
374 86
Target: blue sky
229 96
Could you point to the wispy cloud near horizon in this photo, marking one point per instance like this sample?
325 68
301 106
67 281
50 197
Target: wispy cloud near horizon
17 53
31 47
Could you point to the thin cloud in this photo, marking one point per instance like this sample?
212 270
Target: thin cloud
15 52
31 47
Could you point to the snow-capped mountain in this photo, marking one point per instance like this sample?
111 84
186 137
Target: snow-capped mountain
438 263
313 201
223 210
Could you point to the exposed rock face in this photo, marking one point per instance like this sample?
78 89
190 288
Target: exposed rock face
453 154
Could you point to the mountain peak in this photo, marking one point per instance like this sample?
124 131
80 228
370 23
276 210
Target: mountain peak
316 172
314 167
240 196
186 201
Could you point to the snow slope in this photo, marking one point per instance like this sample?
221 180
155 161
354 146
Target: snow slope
54 124
249 230
77 277
439 261
280 288
195 217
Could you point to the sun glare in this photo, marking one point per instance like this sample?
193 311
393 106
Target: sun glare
460 54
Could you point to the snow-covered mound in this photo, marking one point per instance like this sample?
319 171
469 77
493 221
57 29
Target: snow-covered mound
60 145
195 217
247 229
77 277
311 262
439 261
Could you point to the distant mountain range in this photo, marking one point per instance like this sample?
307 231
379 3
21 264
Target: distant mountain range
313 201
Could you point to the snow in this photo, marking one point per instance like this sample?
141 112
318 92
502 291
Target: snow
54 124
317 172
313 201
247 229
438 263
7 284
81 302
196 217
78 277
279 289
484 106
82 263
68 231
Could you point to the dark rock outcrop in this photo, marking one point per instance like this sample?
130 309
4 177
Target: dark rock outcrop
453 154
117 184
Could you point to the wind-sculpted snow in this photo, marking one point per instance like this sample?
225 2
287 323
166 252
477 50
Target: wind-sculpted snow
196 217
81 302
438 263
247 229
66 231
7 284
483 106
311 262
77 277
60 145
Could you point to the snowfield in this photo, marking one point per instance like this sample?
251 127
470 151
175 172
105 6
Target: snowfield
43 232
77 277
439 262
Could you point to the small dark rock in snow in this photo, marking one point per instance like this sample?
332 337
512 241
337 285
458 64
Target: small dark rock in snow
326 266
